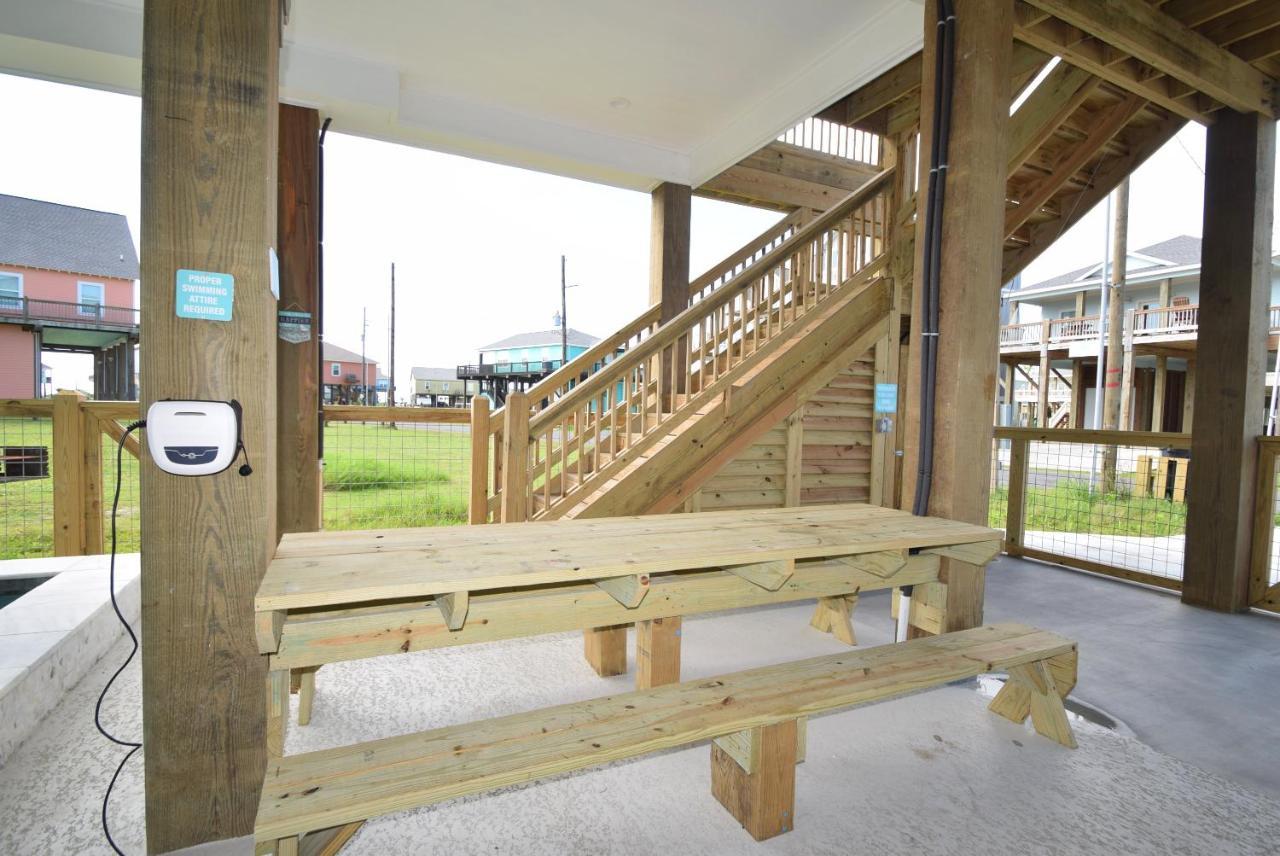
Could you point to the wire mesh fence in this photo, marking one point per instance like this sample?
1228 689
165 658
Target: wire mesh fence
1116 507
26 486
128 518
395 474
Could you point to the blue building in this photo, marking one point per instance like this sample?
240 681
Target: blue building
524 359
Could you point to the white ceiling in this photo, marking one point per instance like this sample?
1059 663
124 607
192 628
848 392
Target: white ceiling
530 82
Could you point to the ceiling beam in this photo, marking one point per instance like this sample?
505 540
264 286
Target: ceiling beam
894 85
1141 145
1057 37
1107 126
1169 46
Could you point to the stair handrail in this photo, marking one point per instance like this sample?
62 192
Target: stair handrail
678 327
717 276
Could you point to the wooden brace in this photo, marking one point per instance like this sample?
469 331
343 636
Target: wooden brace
834 615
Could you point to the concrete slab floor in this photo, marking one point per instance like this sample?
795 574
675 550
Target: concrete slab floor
933 773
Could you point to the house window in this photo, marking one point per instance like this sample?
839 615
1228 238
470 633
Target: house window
90 297
10 292
336 369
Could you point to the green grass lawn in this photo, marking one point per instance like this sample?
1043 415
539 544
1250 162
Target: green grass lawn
1075 508
375 477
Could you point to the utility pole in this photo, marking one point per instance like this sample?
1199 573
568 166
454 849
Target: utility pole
1115 331
564 317
391 382
364 366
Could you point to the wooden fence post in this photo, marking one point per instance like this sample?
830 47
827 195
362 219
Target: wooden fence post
92 484
1017 496
515 459
479 503
68 475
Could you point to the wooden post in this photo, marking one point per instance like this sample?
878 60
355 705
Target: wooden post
1077 393
478 507
795 459
658 652
1126 377
209 114
515 459
761 799
669 271
1189 395
68 474
1017 505
92 483
298 483
1042 380
972 237
1235 286
1158 393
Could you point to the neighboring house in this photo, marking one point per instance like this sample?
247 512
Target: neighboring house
439 387
342 370
1053 329
66 284
522 360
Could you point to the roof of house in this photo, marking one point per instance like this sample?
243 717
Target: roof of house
541 337
46 235
333 353
1175 252
428 373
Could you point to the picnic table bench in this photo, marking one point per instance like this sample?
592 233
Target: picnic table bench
336 596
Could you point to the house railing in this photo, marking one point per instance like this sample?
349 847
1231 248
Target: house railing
589 421
1151 323
831 138
28 310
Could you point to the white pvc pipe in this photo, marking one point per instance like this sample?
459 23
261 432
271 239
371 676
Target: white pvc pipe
904 614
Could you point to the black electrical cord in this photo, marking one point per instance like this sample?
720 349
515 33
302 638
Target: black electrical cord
133 637
943 90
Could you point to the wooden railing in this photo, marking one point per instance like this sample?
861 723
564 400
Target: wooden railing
593 425
835 139
24 310
558 384
77 458
1160 321
1165 320
1070 329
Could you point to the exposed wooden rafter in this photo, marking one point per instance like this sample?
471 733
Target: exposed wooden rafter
895 84
1059 95
1160 41
787 177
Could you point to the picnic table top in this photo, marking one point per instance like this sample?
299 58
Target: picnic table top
332 568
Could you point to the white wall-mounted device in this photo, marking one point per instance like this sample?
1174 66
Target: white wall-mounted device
194 438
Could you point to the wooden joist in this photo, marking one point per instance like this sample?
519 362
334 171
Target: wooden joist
333 787
1150 36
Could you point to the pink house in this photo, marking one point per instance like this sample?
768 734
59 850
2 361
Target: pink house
341 376
66 284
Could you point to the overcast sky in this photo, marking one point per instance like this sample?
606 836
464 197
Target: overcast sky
477 246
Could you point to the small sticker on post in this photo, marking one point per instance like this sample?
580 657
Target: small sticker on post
886 398
205 295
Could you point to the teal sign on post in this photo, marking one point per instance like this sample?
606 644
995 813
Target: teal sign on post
205 295
886 398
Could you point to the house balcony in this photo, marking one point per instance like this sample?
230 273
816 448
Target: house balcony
1168 326
524 370
69 325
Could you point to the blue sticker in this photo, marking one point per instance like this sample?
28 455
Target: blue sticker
205 295
886 398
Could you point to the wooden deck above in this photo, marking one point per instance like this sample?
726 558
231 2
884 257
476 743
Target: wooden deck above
329 568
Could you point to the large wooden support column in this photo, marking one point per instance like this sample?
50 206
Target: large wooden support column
209 112
1235 286
298 362
972 234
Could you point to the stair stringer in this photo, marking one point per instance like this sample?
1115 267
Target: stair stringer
674 469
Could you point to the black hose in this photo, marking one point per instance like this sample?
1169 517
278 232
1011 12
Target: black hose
943 91
317 328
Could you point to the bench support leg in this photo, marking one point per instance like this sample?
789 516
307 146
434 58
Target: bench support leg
287 846
606 649
834 615
1032 690
306 692
657 652
763 800
277 711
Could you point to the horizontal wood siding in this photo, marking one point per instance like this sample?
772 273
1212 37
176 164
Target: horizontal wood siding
835 459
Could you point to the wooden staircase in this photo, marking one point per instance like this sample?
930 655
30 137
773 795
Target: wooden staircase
647 416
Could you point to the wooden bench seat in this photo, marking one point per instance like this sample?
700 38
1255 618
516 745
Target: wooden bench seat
343 786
